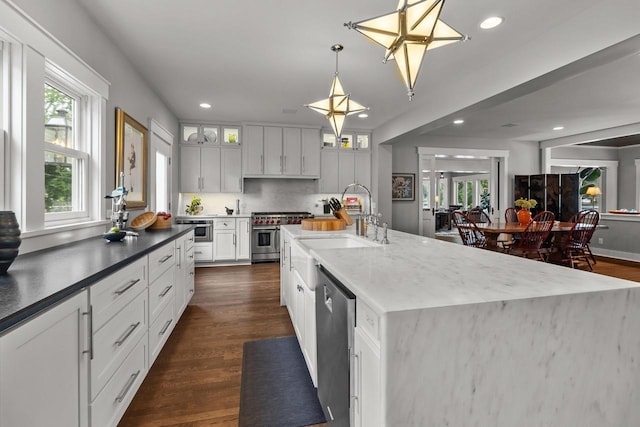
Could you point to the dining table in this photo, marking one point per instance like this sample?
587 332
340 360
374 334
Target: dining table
493 230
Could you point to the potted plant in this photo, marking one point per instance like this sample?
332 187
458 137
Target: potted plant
524 214
195 207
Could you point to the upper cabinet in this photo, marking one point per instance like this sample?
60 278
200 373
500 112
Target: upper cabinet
210 159
210 134
346 162
281 152
349 140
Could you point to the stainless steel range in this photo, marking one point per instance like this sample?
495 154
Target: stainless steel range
265 239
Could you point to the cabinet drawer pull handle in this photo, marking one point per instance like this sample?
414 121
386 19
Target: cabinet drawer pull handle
198 252
166 291
165 327
190 239
126 334
191 256
165 258
127 287
127 386
90 328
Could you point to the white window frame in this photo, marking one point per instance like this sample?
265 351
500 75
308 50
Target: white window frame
4 114
80 152
475 182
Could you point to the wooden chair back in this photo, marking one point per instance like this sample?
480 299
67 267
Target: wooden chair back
537 232
510 215
478 215
469 232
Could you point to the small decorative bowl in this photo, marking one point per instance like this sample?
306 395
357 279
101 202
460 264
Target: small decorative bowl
115 237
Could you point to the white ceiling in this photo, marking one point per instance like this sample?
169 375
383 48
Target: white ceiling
252 59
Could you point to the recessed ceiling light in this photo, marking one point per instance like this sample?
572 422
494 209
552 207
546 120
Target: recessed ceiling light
458 122
491 22
363 115
558 128
205 105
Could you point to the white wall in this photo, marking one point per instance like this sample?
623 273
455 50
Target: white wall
627 185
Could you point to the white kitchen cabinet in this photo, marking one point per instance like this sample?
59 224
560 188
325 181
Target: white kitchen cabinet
329 172
362 167
366 367
224 239
44 368
185 270
199 134
203 251
273 156
366 380
310 148
200 169
309 350
231 170
303 317
285 269
243 238
292 151
273 151
253 151
343 167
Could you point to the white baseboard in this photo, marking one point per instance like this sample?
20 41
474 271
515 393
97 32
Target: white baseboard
627 256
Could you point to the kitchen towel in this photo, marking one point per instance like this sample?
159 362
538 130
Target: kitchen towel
276 388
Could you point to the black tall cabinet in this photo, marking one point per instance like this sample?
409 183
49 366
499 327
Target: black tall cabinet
557 193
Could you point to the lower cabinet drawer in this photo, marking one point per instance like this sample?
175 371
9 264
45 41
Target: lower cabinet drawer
115 340
160 330
203 252
161 291
112 402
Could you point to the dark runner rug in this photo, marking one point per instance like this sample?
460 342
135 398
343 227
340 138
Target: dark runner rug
276 388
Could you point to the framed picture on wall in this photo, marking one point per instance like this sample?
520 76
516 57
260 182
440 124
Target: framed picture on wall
131 159
403 186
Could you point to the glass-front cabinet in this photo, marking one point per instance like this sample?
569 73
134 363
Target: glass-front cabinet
348 141
206 134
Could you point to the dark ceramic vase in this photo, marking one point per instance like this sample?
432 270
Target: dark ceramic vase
9 239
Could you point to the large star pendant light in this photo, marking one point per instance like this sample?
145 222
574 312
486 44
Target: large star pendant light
339 105
408 33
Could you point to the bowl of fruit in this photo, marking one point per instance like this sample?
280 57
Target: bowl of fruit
163 220
114 235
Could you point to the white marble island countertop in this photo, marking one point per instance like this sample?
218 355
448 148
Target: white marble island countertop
473 338
414 272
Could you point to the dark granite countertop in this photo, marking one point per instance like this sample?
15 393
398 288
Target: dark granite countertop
37 280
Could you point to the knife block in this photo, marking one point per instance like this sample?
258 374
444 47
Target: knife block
343 215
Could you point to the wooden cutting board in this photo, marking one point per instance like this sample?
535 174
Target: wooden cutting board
323 224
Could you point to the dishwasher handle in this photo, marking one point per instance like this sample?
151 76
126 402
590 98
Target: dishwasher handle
328 302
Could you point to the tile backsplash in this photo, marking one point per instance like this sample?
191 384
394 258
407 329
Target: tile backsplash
264 195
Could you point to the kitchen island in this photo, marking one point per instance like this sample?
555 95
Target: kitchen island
451 335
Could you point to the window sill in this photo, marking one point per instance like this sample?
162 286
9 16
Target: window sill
37 240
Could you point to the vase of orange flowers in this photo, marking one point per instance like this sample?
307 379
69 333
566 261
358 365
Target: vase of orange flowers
524 214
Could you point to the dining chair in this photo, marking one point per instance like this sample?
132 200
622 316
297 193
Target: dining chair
595 216
469 232
478 215
505 240
510 215
533 238
575 247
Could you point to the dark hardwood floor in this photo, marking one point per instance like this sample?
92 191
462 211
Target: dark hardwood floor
196 379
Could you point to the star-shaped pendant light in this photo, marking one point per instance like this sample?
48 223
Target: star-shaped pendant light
408 33
339 105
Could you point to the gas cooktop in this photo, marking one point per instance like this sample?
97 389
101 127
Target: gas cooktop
277 218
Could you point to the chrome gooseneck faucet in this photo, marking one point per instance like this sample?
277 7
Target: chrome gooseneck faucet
355 184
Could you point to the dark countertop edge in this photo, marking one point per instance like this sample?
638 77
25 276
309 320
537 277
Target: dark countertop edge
36 308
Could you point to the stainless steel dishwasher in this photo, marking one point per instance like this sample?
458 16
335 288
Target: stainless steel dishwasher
335 323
